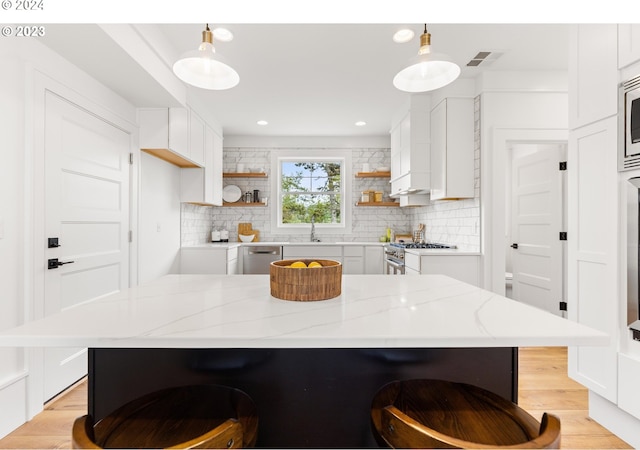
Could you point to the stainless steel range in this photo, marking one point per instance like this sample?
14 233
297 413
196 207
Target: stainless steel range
394 254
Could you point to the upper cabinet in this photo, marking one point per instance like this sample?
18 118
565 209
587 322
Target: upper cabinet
166 133
628 44
452 152
203 186
410 150
593 72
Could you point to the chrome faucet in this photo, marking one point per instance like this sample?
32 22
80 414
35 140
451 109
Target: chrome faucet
313 230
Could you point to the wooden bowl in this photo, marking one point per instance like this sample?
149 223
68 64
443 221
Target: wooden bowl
306 284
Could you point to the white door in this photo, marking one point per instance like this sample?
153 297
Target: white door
87 209
537 202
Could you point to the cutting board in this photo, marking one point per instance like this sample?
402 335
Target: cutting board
246 229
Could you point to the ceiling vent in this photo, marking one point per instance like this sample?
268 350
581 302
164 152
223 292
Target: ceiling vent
484 58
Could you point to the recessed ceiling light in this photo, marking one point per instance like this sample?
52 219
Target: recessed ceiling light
222 34
262 122
404 35
361 123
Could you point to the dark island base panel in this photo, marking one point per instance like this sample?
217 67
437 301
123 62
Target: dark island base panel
305 397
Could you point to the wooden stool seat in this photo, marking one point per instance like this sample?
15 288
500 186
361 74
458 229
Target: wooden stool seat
443 414
205 416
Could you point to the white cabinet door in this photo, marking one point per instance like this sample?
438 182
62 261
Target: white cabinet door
593 251
461 267
410 148
203 260
164 129
373 259
593 73
452 149
353 259
628 44
216 166
196 138
203 186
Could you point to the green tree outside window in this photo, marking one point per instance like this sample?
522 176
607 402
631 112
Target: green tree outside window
311 189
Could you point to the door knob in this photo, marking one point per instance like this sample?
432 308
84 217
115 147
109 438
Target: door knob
514 246
53 263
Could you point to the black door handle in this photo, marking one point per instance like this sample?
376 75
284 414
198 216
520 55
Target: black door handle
514 246
53 263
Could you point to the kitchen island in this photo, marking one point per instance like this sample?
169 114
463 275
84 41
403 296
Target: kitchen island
311 367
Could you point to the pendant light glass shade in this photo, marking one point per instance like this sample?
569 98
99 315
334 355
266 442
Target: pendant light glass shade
427 71
203 68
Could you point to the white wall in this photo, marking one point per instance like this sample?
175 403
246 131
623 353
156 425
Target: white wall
159 236
12 262
24 61
519 107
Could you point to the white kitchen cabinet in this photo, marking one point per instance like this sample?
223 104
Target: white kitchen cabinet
203 186
311 251
176 135
196 138
452 149
461 267
410 149
628 44
374 259
164 132
209 259
353 259
592 269
593 73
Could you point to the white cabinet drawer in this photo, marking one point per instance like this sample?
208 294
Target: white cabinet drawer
353 250
232 253
311 251
628 376
412 262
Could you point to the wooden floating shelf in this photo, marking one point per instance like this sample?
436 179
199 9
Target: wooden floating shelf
245 175
171 157
377 204
373 175
243 204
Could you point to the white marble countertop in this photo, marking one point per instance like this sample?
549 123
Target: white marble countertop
227 311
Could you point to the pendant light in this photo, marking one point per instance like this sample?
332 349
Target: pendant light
427 71
203 68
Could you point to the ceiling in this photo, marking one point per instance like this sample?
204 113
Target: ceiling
309 79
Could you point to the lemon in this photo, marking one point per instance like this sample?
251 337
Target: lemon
314 264
298 265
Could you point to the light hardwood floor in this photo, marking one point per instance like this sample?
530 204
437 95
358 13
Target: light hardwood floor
543 386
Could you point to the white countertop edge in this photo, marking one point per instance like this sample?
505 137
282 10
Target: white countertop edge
495 342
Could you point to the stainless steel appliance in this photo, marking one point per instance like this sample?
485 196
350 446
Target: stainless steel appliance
629 154
633 270
257 258
394 254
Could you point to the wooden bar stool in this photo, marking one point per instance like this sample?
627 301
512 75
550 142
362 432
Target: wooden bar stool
443 414
203 416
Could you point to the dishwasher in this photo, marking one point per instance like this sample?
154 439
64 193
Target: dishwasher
256 258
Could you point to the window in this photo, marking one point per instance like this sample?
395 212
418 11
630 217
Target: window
311 187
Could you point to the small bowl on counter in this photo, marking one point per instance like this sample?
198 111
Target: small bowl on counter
247 237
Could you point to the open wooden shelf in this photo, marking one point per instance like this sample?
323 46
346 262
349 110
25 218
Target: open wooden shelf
243 204
244 175
373 175
171 157
377 204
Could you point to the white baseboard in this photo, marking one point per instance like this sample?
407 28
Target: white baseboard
13 403
620 423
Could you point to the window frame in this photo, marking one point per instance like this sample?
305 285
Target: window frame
311 155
